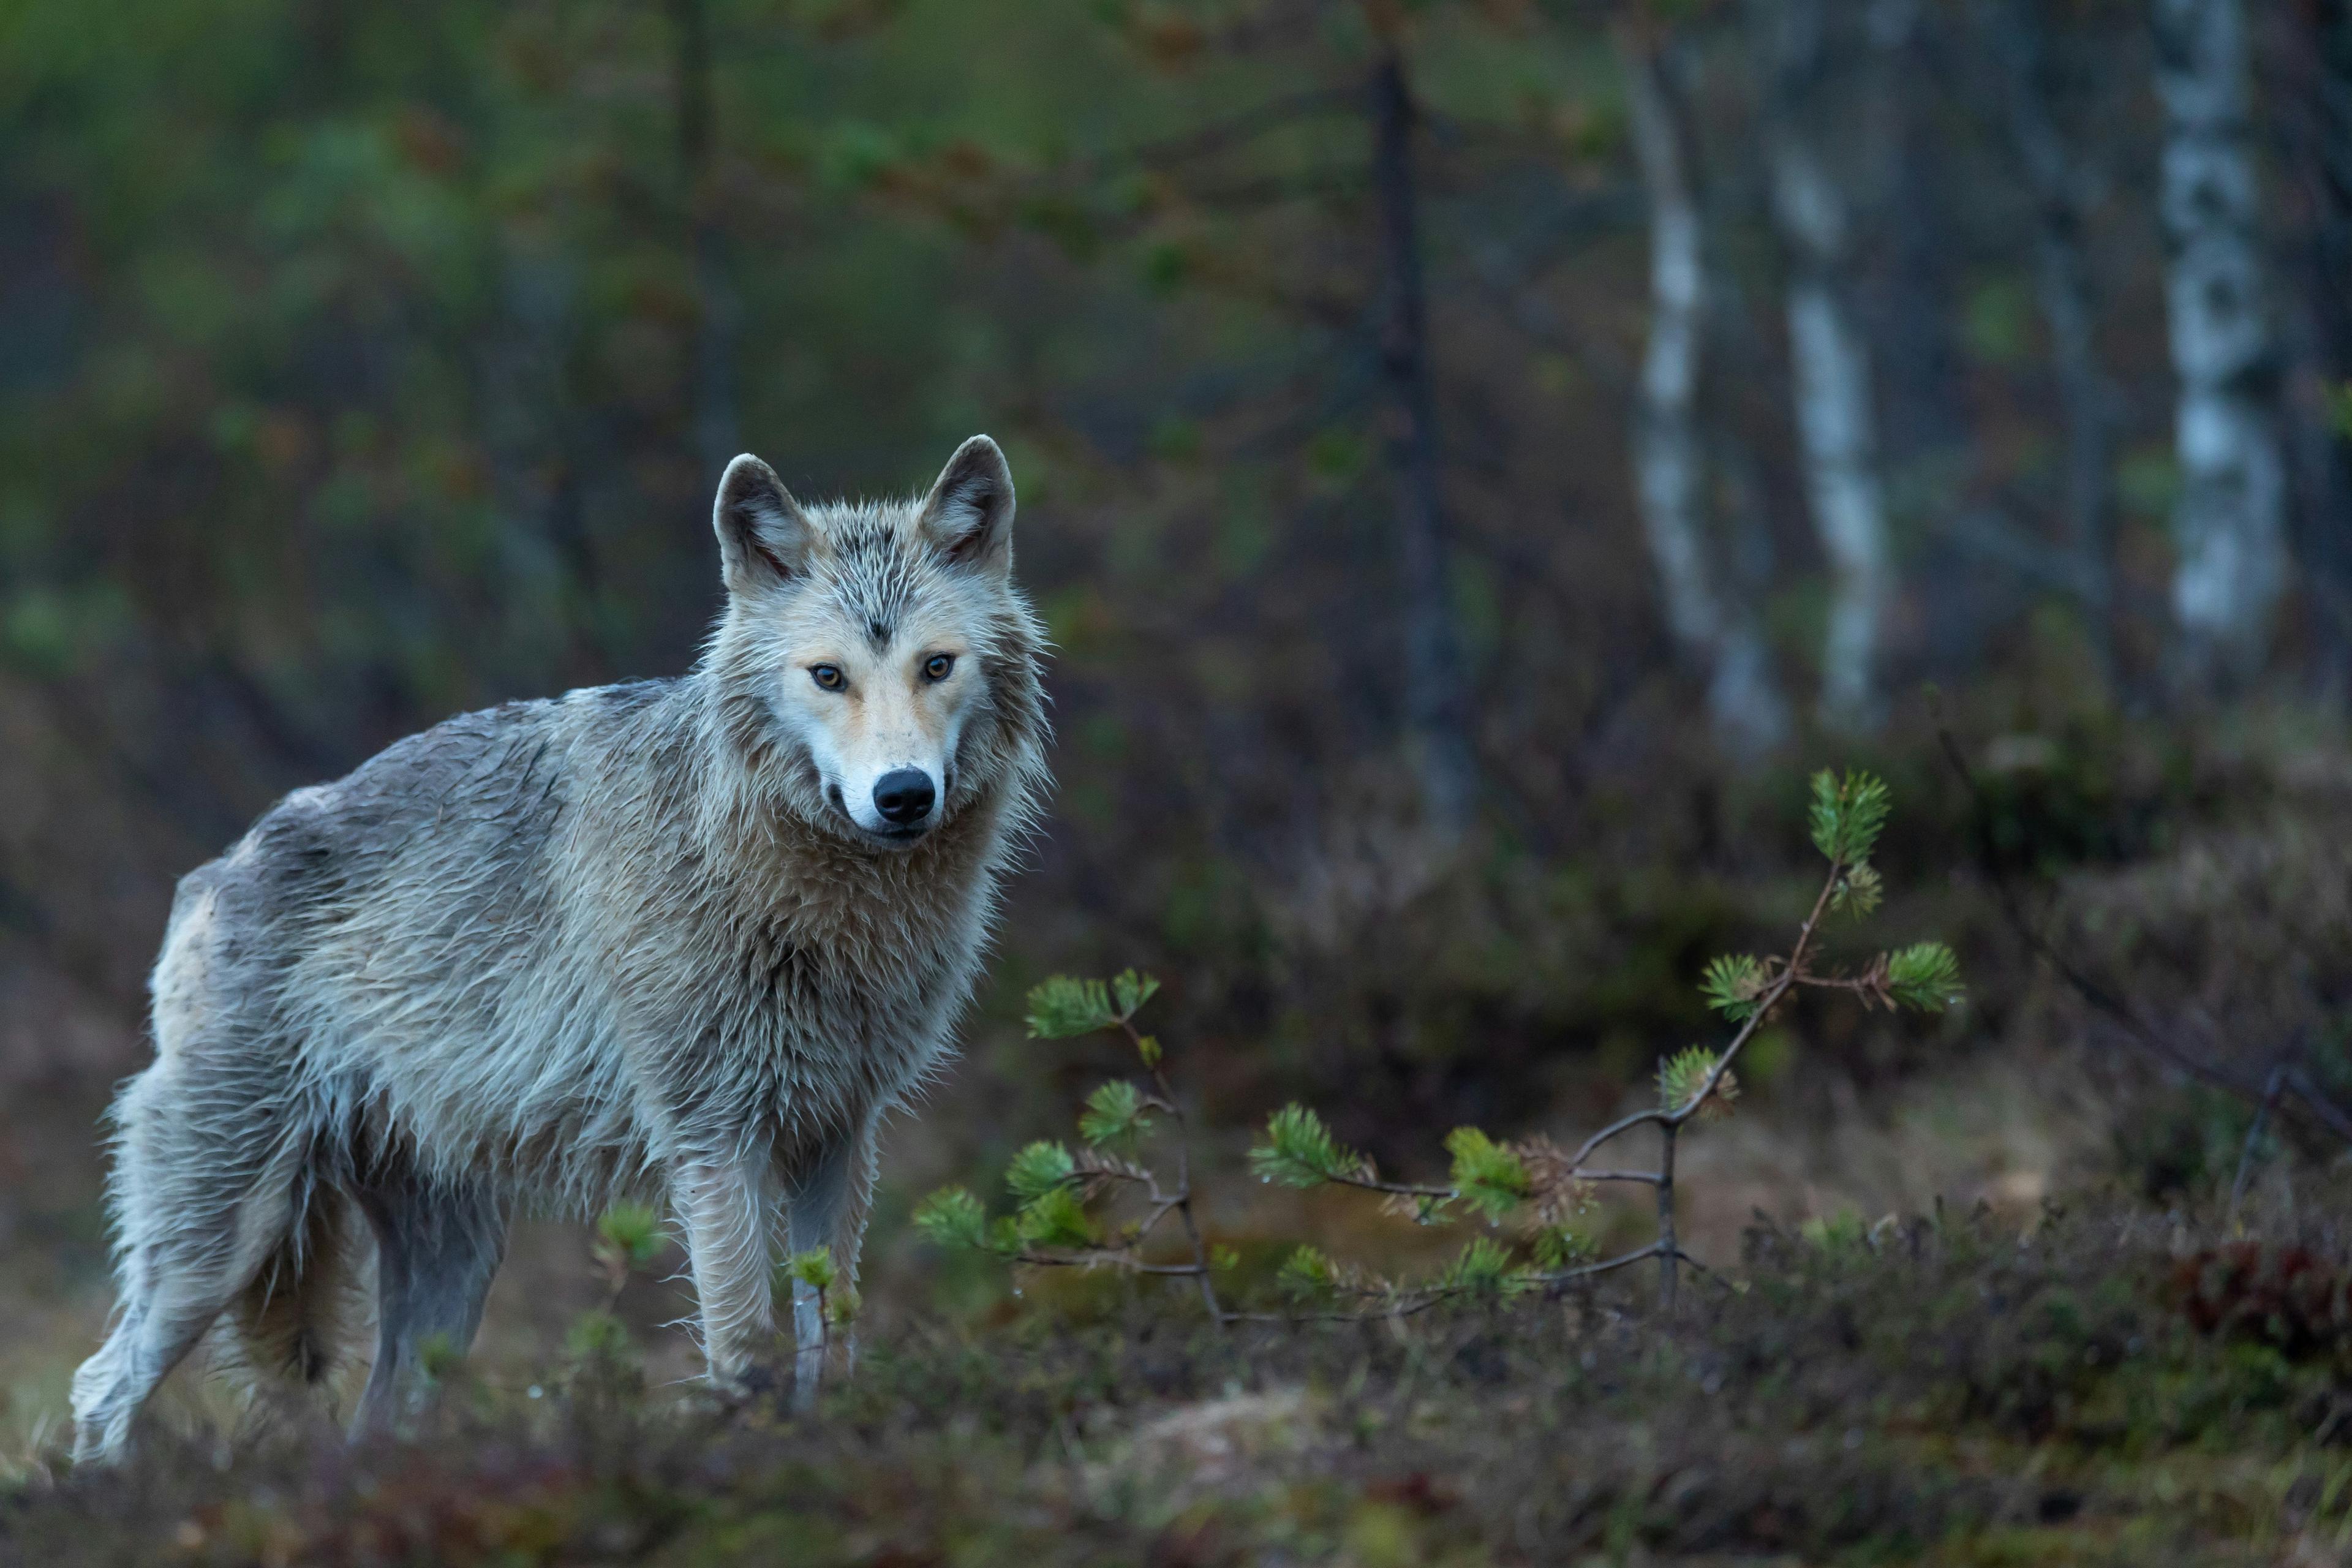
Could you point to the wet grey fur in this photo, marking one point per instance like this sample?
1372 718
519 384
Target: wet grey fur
616 945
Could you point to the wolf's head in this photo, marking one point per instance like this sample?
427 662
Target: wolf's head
876 657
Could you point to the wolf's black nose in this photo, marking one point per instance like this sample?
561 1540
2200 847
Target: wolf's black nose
904 796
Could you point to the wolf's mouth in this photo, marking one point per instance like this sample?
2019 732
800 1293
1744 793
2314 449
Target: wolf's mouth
895 836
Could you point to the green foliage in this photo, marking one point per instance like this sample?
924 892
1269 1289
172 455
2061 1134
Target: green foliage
1038 1169
1307 1273
1485 1270
1490 1177
1847 815
597 1336
630 1236
1683 1076
813 1268
1299 1152
1734 985
1063 1007
1115 1116
1130 991
1557 1247
1857 891
1057 1217
1924 977
953 1217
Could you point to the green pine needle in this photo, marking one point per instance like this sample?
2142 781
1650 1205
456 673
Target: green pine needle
1924 977
1847 815
1063 1007
1733 985
1307 1273
1115 1115
1681 1076
1489 1177
1056 1218
1039 1169
1299 1150
953 1217
1858 891
1130 991
1485 1268
1557 1247
630 1236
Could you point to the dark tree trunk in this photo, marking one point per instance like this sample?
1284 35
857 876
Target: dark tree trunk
2315 60
1436 706
718 433
2063 280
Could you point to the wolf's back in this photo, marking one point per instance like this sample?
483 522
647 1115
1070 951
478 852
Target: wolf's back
400 940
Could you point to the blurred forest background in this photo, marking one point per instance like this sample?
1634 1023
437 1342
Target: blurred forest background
1474 458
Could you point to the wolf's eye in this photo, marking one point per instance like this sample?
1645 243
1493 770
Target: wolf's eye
938 665
828 676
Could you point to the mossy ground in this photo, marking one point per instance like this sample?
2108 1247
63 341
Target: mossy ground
2118 1385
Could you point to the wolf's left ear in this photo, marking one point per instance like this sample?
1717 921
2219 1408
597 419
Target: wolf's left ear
968 516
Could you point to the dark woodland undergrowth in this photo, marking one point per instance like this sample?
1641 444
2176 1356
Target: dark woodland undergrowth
2118 1384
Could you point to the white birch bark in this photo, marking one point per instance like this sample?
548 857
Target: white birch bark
1669 465
1831 367
2230 522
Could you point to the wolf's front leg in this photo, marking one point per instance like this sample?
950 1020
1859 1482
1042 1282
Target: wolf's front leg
827 1208
724 1205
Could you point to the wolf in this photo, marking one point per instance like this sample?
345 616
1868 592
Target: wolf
681 940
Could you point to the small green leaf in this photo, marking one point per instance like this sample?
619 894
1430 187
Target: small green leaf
1039 1169
1223 1258
1734 985
1062 1008
1115 1115
1147 1048
1924 977
1299 1150
1490 1177
813 1268
953 1217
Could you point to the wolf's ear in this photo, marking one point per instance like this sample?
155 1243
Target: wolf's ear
968 516
763 537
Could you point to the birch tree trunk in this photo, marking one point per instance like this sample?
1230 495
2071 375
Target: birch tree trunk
1716 632
1436 704
2230 522
1831 367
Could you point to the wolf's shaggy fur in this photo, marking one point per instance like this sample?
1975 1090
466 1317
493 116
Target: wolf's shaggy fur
626 942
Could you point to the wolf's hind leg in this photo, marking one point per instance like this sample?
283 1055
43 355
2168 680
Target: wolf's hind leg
290 1328
438 1246
198 1208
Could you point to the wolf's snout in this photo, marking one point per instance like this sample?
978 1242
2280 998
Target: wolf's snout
904 797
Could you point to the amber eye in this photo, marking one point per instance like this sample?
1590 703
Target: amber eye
938 665
828 676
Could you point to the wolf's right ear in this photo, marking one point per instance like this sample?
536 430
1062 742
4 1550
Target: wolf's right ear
968 516
763 536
